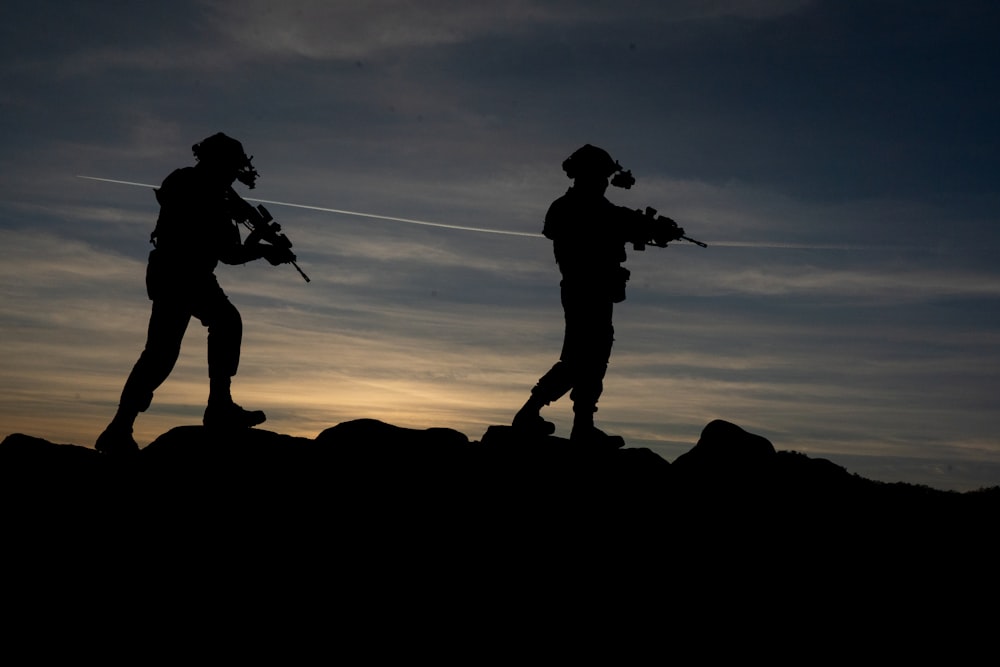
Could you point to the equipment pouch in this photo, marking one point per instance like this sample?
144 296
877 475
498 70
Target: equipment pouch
618 292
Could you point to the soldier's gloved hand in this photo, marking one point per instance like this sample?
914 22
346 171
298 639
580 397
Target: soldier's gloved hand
675 231
666 231
276 255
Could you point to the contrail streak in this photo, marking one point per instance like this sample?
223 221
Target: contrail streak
485 230
787 246
410 221
325 209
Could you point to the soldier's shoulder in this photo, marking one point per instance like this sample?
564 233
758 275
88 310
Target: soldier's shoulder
183 184
179 179
563 204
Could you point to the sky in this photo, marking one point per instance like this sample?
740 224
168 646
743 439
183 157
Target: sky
839 158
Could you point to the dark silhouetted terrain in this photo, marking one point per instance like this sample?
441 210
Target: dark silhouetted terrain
385 524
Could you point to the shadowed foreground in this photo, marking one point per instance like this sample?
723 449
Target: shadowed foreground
378 519
368 475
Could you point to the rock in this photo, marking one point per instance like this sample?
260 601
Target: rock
723 444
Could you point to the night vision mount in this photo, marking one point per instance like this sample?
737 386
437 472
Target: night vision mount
623 178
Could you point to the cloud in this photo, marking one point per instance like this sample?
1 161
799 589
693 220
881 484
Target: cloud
322 30
42 260
859 285
218 35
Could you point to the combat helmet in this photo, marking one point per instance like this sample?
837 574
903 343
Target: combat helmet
589 160
225 151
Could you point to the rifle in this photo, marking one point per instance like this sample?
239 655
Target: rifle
660 230
262 226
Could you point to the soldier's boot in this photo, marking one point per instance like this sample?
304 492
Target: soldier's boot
222 412
529 420
228 415
585 433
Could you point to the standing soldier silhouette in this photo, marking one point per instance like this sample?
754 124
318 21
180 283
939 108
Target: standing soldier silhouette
196 230
588 235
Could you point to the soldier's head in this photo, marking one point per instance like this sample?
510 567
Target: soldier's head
224 157
592 167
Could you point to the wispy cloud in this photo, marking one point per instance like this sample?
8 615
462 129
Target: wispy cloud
323 30
862 285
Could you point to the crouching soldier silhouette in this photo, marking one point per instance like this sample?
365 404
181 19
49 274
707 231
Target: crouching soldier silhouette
588 235
196 229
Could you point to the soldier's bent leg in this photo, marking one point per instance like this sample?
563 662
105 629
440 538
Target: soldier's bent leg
553 385
590 352
587 392
550 387
585 396
225 336
167 324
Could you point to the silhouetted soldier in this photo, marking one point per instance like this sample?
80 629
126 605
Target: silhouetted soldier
588 235
194 232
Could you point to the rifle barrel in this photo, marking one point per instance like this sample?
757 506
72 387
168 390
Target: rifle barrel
301 272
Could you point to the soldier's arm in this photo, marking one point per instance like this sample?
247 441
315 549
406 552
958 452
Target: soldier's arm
234 251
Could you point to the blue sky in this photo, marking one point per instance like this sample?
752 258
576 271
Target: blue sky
839 158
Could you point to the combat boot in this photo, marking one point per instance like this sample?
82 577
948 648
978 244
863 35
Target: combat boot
528 420
585 433
228 415
591 436
532 424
